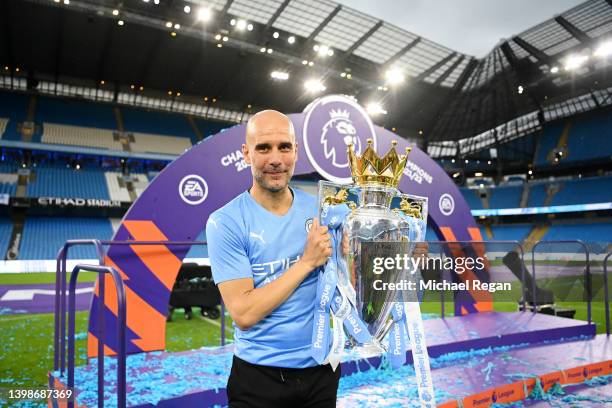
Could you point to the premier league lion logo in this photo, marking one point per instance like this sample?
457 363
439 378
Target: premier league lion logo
337 134
332 122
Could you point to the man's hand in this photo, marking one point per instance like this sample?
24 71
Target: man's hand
318 247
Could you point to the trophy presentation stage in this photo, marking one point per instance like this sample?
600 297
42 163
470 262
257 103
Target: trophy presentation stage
477 360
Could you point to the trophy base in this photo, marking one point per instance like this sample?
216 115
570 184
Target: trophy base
368 350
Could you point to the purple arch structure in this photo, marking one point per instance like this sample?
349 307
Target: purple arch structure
179 200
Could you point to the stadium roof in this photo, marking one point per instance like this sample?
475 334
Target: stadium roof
163 47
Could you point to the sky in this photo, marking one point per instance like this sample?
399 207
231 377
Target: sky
472 27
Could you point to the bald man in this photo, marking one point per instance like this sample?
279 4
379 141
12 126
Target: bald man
264 246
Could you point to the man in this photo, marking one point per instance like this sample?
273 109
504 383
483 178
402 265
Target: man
264 246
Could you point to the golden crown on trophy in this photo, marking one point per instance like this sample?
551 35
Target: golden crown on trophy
371 169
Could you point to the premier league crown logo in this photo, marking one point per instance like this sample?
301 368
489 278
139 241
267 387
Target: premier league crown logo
333 123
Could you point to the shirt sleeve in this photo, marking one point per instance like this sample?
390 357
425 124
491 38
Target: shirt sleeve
226 249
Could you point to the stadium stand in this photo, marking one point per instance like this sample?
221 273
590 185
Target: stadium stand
8 166
537 195
3 123
511 232
472 198
156 123
43 236
518 149
582 191
6 228
13 107
548 142
505 196
590 137
140 182
115 190
79 136
150 143
59 181
8 177
587 232
576 191
7 187
582 138
75 113
208 128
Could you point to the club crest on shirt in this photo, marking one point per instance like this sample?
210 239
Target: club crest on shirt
308 224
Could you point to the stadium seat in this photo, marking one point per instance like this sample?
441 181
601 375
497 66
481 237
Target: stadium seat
208 128
511 232
79 136
537 194
505 196
75 113
150 143
3 123
116 192
547 142
472 198
590 138
13 107
59 181
6 229
156 123
600 232
43 236
584 191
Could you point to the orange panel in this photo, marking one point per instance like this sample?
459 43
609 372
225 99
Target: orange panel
484 304
480 400
158 258
509 393
548 380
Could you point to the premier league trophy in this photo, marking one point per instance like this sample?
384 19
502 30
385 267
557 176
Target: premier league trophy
370 220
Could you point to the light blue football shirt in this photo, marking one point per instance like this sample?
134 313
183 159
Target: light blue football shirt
247 241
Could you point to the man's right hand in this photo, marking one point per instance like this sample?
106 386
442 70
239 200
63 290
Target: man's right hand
318 246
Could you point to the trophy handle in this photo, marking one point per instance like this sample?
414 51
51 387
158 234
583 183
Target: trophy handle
335 193
413 206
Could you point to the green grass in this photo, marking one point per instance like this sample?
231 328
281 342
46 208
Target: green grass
44 277
27 343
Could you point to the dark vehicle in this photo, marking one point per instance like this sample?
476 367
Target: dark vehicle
194 287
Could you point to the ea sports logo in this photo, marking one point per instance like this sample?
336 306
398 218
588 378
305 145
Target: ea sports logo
193 189
446 204
331 124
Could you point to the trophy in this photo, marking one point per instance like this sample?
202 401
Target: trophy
360 216
370 221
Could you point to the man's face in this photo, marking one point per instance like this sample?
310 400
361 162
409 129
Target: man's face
271 151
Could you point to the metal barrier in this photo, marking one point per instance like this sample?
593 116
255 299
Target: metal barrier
59 341
59 358
121 312
606 294
587 269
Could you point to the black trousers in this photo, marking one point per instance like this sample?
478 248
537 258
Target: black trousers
254 386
